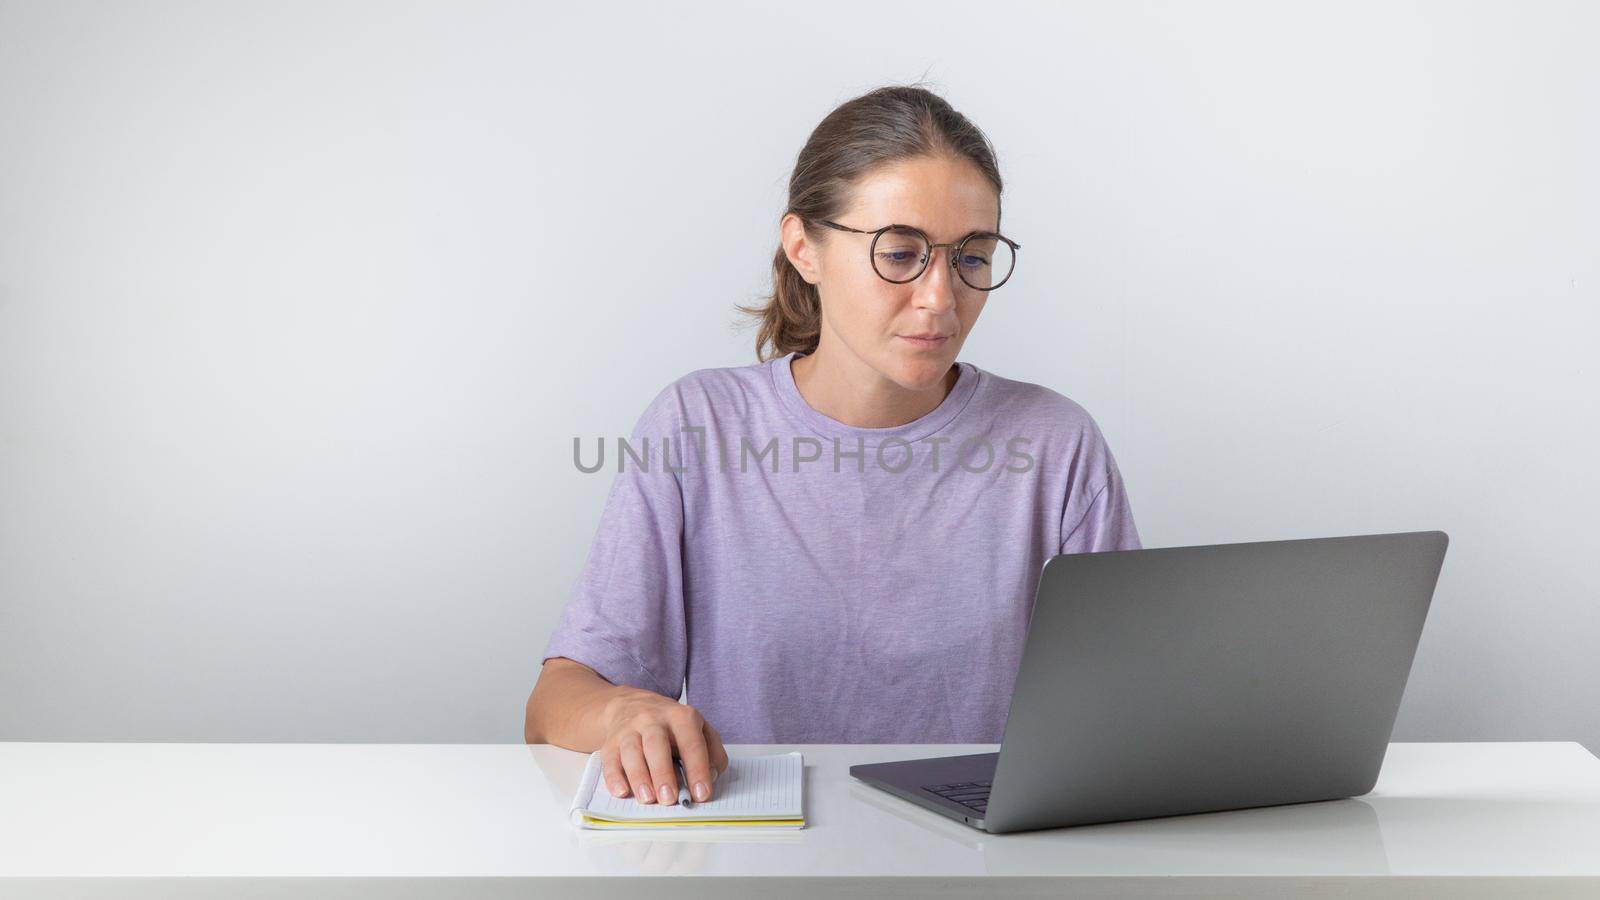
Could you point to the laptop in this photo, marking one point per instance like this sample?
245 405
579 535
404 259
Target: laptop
1183 680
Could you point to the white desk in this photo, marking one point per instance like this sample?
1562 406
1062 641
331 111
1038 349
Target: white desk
481 820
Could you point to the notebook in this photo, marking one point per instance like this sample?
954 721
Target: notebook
753 792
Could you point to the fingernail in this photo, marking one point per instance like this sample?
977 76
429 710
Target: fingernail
619 790
665 793
642 795
701 792
714 774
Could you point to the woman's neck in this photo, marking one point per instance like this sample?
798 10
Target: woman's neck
847 390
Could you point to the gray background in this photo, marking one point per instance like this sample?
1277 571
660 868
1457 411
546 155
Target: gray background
301 308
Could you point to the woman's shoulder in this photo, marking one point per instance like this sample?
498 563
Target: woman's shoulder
1057 428
1037 406
725 390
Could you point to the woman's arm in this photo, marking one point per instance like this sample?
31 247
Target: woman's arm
567 706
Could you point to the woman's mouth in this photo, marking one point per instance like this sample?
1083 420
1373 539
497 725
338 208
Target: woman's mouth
926 341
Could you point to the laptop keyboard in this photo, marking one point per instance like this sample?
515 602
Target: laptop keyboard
974 795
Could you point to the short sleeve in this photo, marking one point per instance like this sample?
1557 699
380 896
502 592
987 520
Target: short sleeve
1098 515
625 616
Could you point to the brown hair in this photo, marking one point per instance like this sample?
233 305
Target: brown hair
886 125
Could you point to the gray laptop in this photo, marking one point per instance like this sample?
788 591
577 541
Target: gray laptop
1183 680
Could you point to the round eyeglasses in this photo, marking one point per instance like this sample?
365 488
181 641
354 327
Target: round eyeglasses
983 260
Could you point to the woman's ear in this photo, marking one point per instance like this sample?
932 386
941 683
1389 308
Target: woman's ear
803 252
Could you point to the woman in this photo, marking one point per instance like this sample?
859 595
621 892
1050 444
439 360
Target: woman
840 543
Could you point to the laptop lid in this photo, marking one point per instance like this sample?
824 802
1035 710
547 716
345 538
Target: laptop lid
1190 679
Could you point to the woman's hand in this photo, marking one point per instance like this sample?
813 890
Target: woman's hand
644 731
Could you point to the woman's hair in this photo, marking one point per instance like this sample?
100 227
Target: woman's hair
885 126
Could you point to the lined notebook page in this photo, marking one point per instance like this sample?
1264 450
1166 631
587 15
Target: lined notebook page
753 787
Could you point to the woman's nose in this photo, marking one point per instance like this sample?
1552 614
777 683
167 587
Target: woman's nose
936 288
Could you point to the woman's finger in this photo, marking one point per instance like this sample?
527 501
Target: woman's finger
690 736
717 752
630 747
611 770
658 754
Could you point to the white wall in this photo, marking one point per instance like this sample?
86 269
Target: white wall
300 309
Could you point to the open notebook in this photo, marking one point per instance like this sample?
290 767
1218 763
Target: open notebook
754 792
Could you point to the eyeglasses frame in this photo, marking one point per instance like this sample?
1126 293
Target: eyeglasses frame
955 247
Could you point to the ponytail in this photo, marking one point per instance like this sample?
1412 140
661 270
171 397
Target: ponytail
791 320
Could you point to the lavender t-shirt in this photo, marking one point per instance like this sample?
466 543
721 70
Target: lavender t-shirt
815 582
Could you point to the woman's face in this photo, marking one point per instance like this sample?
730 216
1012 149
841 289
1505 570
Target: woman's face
872 318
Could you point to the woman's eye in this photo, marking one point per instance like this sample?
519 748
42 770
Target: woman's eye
973 262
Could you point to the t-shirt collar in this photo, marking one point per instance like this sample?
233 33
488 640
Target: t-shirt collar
917 429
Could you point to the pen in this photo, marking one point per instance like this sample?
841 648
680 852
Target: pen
683 784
